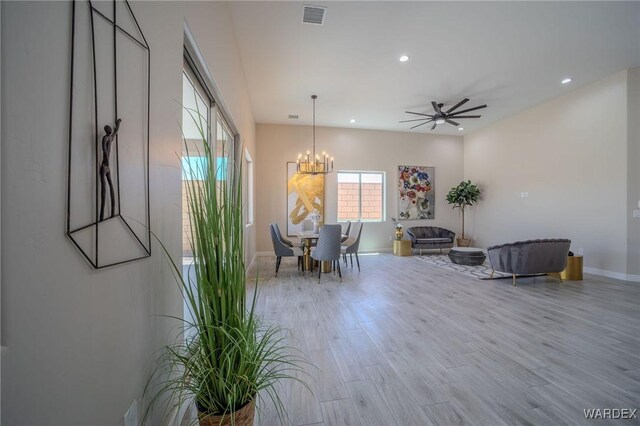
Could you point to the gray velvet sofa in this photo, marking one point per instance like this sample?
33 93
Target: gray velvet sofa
548 256
430 237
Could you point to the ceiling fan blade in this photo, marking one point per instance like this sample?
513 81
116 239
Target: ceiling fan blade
451 122
421 124
418 113
458 105
436 107
434 126
415 119
468 110
465 116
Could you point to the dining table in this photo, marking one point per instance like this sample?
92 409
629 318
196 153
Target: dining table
307 238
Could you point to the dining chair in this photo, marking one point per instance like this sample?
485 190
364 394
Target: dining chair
283 239
346 231
328 248
351 245
283 250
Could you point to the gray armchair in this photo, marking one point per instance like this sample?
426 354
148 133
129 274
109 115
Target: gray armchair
430 237
283 250
548 256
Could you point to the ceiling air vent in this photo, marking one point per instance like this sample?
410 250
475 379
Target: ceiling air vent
293 116
313 15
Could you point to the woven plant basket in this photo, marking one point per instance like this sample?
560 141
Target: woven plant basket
463 242
242 417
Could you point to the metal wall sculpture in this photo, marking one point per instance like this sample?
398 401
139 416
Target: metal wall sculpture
110 83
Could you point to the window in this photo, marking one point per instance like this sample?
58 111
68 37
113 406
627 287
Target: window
193 167
224 147
196 115
361 196
248 187
203 122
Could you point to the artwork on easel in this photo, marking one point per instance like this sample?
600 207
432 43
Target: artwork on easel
108 215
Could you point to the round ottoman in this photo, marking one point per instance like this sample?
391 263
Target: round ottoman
469 256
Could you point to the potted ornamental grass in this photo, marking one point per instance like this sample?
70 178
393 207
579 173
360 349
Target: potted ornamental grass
227 357
464 195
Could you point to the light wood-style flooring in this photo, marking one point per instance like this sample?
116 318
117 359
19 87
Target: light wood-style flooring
407 343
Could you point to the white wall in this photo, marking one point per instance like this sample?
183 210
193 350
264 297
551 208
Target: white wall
80 342
570 155
354 149
633 167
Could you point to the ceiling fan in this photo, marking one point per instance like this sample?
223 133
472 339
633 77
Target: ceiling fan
441 117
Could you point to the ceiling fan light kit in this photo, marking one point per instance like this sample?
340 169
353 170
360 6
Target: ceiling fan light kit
441 117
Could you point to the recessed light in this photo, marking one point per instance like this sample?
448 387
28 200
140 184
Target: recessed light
439 120
353 120
404 58
567 80
460 128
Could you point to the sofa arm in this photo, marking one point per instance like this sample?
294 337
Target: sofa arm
449 234
411 235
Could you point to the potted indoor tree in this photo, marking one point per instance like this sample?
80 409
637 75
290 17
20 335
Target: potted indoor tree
226 357
461 196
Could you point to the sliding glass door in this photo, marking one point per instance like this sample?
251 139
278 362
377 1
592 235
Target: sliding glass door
196 131
201 120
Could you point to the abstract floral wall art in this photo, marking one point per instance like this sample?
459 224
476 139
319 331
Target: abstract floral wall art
416 186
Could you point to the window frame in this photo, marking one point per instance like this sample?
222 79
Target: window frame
249 188
195 61
383 174
196 72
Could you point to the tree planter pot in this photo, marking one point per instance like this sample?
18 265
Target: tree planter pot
242 417
462 196
463 242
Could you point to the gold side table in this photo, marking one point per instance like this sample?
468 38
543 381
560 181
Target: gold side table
402 247
573 271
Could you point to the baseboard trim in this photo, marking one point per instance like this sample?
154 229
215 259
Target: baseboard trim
612 274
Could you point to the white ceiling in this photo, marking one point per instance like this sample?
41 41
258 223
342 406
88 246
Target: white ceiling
509 55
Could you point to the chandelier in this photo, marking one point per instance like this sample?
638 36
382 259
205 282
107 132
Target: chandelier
312 163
